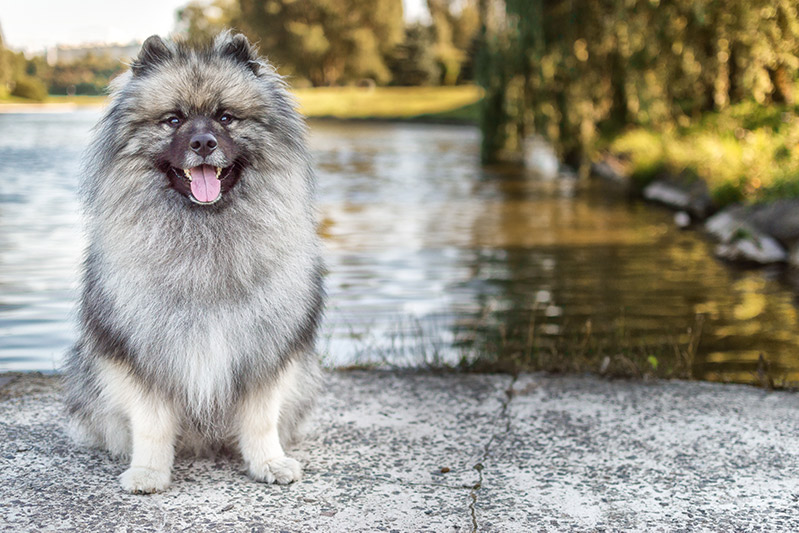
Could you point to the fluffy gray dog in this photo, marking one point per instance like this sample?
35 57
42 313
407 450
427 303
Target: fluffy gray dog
202 287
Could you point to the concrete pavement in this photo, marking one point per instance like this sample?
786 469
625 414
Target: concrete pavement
453 453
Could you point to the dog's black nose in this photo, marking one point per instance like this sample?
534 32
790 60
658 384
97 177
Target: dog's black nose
203 143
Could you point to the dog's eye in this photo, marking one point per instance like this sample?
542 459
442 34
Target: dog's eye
226 118
173 121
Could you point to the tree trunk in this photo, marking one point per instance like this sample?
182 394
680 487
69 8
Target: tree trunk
783 88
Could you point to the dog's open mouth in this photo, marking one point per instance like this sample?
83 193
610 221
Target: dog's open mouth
204 182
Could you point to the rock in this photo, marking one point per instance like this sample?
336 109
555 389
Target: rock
725 224
540 157
665 193
760 249
682 219
780 219
611 168
692 197
741 241
777 220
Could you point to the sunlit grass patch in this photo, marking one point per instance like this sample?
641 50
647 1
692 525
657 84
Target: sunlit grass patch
646 152
435 103
388 102
83 100
749 152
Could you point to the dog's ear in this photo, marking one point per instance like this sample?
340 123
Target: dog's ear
153 52
239 48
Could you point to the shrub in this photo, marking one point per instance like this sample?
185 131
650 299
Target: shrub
30 88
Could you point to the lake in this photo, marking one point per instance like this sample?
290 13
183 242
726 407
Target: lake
432 260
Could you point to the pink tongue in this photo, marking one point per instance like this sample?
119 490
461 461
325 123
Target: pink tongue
204 185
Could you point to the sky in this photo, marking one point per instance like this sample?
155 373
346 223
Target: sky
32 25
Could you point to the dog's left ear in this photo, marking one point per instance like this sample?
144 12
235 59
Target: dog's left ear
239 48
153 52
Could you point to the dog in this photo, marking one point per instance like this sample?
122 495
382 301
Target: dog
202 283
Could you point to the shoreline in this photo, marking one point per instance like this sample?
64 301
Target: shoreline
754 234
47 107
67 107
445 105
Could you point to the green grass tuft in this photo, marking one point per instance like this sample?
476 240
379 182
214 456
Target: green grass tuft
747 153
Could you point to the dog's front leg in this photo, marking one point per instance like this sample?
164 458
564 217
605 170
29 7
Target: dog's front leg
259 440
153 431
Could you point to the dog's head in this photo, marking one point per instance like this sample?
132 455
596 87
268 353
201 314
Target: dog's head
203 117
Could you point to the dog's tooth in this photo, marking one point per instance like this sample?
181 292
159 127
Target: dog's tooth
187 173
218 172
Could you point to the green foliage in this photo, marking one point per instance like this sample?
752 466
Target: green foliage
21 77
412 62
29 88
327 42
602 65
455 25
5 69
199 21
335 42
744 153
89 75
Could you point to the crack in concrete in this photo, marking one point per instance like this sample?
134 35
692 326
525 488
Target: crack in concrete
480 466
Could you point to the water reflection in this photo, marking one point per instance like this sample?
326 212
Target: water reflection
430 256
426 249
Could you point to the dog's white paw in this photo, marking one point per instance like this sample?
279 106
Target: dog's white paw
140 480
281 470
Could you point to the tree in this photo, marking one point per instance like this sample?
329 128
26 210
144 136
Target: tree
199 21
413 62
455 25
88 75
326 41
570 69
6 77
17 78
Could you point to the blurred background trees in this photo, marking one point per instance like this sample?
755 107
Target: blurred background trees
334 42
315 42
571 71
454 27
326 41
18 76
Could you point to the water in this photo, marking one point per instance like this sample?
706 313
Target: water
431 258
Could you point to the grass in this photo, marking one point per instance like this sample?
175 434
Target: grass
457 103
445 104
77 100
80 100
749 152
513 344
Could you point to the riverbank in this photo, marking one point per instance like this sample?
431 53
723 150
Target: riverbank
461 453
748 233
735 172
436 104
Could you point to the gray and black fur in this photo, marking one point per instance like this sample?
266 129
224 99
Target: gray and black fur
196 306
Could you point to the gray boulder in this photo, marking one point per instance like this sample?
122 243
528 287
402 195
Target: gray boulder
741 241
692 197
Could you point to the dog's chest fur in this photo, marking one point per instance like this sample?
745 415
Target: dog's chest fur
209 299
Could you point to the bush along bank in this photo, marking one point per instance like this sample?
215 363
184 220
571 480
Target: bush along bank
736 172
